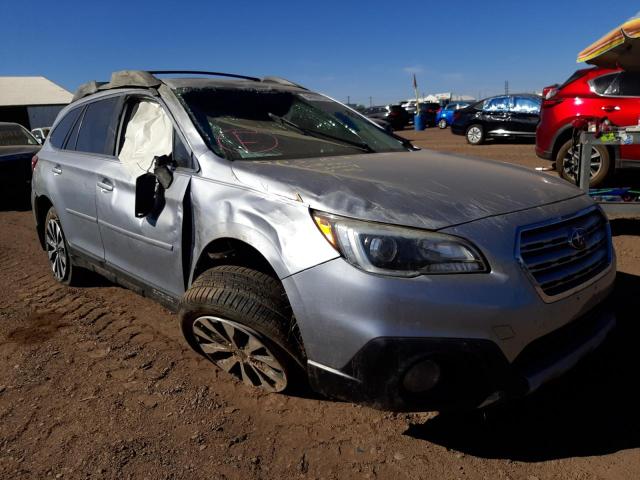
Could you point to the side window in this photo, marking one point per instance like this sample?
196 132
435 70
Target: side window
606 85
180 154
629 84
498 104
525 105
97 131
61 131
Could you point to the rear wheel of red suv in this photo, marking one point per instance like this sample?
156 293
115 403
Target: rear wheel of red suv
567 162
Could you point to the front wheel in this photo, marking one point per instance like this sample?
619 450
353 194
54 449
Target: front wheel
475 135
442 123
568 163
240 320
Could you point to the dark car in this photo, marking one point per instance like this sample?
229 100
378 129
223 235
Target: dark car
592 92
395 115
508 116
429 111
17 147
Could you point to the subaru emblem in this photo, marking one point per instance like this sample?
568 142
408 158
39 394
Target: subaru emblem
578 238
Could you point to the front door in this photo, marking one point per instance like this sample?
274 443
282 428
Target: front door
150 248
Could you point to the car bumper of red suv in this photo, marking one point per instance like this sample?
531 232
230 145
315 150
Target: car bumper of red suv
542 153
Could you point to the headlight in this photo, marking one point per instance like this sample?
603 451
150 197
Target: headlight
399 251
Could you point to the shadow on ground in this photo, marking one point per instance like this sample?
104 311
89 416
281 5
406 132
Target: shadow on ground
591 411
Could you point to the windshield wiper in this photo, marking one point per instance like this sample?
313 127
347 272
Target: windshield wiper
315 133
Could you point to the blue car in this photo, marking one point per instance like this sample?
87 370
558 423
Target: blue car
444 116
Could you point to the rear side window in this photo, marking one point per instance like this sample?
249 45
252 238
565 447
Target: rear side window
525 105
61 131
606 85
97 131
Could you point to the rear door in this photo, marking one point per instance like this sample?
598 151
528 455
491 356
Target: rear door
619 100
495 114
524 114
147 249
83 141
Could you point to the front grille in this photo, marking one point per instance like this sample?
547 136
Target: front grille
555 264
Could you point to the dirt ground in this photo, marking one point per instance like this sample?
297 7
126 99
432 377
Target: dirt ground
97 382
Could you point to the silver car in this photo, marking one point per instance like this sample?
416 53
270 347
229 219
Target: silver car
301 242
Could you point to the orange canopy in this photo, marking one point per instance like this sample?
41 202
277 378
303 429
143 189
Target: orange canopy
618 48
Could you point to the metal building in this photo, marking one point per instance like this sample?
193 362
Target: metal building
31 101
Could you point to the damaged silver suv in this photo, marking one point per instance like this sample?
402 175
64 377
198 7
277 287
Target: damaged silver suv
301 242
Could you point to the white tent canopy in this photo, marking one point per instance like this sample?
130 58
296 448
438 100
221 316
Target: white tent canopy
23 91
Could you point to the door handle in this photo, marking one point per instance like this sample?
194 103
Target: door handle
56 170
611 108
105 185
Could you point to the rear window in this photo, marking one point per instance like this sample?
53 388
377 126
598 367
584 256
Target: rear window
15 135
97 131
525 105
61 131
606 84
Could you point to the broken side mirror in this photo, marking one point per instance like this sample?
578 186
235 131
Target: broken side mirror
163 170
145 195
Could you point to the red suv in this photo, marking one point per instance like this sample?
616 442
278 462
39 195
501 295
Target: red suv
593 92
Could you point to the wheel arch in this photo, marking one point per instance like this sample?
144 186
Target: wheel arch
565 134
41 206
232 250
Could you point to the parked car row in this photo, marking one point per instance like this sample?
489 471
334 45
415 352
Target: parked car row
589 93
399 116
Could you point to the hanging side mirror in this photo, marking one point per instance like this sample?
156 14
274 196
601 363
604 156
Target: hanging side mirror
145 194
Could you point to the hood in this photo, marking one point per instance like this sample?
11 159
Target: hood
422 189
18 150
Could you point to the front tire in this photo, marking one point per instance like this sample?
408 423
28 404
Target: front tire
475 135
567 163
241 321
442 124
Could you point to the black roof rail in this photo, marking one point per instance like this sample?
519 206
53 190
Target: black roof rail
201 72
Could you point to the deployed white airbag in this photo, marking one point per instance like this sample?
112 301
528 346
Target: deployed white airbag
149 134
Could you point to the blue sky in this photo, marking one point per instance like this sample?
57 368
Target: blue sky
342 48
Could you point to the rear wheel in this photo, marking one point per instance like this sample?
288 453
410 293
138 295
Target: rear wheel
442 123
475 135
55 244
241 321
568 162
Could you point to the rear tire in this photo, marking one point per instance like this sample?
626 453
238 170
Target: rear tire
567 163
240 320
442 124
475 134
57 248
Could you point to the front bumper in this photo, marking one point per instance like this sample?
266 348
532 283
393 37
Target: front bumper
475 373
362 331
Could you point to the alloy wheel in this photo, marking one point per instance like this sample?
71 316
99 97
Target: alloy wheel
571 162
56 249
239 351
474 135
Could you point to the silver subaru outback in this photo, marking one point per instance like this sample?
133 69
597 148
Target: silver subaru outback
300 242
